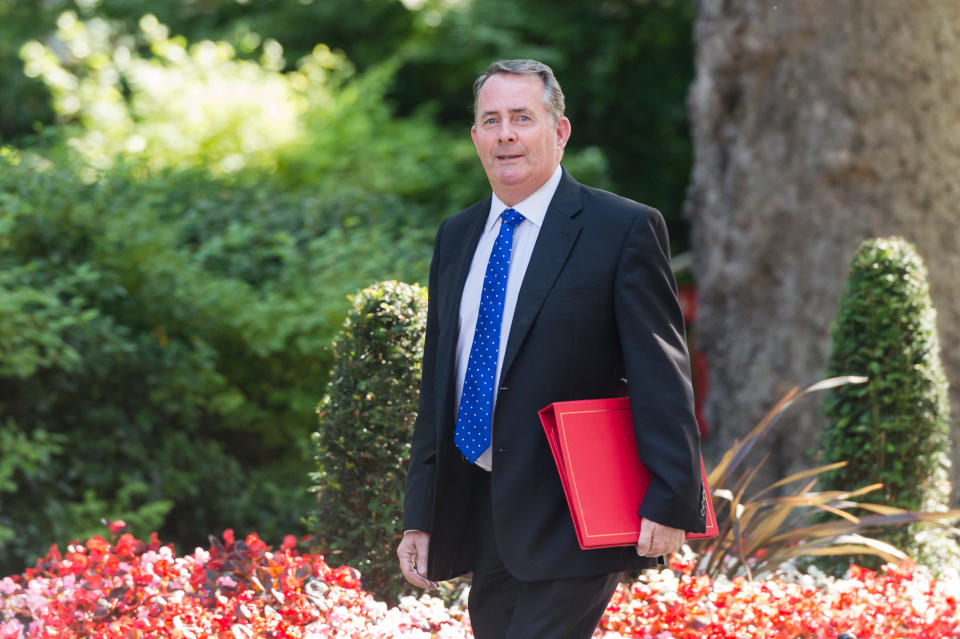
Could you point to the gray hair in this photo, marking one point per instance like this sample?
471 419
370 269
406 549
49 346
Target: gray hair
553 98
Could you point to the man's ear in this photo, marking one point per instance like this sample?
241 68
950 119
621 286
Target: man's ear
563 132
473 136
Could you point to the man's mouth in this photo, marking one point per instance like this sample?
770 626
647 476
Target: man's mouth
509 156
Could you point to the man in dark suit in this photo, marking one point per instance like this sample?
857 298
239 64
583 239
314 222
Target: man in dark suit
546 291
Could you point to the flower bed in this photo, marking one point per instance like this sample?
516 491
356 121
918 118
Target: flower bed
901 601
241 589
237 589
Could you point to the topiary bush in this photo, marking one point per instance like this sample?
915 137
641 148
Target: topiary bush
366 422
895 428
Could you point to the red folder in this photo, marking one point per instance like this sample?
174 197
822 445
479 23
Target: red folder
595 449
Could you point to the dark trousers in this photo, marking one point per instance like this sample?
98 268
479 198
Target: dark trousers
504 607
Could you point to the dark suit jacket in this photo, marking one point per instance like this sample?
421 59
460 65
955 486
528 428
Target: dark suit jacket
597 316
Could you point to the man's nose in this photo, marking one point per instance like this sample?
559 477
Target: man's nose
506 133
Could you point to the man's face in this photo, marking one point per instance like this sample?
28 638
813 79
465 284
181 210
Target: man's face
518 144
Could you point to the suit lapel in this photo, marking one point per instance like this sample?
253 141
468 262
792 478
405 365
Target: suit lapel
559 233
461 250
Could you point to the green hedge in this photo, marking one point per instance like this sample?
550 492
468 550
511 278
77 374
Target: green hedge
895 428
366 424
170 333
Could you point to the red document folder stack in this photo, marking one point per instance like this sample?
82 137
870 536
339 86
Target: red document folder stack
594 446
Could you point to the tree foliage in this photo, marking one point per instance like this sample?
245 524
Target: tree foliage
627 100
180 106
372 34
895 428
362 447
172 332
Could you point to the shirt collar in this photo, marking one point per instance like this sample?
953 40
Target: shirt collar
534 208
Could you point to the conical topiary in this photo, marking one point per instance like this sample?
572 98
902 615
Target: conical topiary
362 446
895 428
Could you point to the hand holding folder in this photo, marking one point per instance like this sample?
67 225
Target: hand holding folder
595 449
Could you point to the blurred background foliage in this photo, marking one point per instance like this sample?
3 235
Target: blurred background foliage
625 64
190 189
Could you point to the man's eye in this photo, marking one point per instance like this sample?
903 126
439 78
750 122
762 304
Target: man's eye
490 121
524 118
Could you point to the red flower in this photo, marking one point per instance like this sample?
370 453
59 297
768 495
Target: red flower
117 525
255 545
127 545
98 544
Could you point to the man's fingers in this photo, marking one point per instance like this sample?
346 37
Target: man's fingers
408 566
422 559
645 542
412 553
656 539
419 580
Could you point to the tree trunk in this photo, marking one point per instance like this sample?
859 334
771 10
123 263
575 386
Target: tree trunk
817 124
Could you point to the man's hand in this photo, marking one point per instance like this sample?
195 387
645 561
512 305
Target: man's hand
657 539
412 553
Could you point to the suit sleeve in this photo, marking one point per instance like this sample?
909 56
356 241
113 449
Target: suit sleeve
650 324
418 500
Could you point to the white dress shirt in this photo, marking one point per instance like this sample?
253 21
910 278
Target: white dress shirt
533 209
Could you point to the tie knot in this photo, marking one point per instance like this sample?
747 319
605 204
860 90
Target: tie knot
512 217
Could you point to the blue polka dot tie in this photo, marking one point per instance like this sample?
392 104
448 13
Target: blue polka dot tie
472 435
